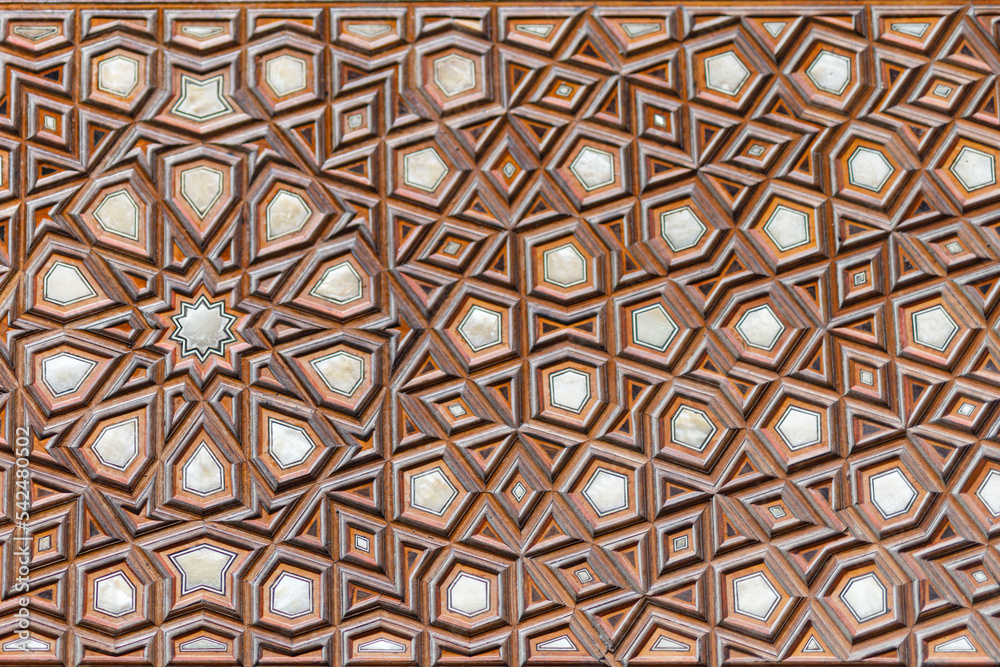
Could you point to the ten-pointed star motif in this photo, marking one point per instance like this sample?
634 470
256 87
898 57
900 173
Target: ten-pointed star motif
203 328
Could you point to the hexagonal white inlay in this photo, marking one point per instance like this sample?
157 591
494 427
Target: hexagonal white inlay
607 492
114 594
202 474
201 187
469 595
867 168
285 75
564 266
64 284
593 168
933 327
865 597
341 372
480 328
691 428
201 100
653 327
118 444
788 228
760 327
119 214
64 373
974 169
755 596
725 73
799 427
424 169
432 491
830 72
569 389
291 596
681 228
892 493
340 284
203 567
454 74
288 445
118 75
285 214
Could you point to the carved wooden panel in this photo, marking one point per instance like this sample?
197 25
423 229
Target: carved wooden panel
495 334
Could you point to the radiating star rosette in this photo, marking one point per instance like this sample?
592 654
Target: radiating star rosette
203 334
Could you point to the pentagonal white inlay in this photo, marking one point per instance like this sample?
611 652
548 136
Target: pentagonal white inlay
201 187
593 168
865 597
653 327
119 214
974 169
64 373
117 445
892 493
286 214
480 328
569 389
691 428
564 266
424 169
340 284
454 74
201 100
725 73
607 491
799 427
291 596
933 327
203 567
760 327
114 594
788 228
341 372
830 72
432 491
755 596
288 445
286 75
681 228
469 595
64 284
868 168
202 474
118 75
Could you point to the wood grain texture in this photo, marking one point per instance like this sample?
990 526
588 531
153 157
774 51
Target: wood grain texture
497 334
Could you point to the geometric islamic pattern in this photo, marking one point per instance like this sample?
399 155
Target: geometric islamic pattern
490 334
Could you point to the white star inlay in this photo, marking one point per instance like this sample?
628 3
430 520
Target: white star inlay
203 328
